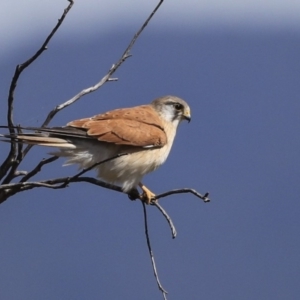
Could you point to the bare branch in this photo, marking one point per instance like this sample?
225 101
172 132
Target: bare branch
169 220
10 160
164 292
127 51
38 168
107 77
12 188
56 183
183 191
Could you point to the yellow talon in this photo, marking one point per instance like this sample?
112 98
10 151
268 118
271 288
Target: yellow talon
147 195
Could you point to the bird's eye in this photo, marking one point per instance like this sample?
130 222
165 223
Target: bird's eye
178 106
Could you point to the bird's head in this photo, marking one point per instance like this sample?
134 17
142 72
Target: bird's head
172 109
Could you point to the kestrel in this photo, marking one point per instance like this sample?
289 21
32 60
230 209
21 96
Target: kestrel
146 133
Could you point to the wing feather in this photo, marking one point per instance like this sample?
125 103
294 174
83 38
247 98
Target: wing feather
138 126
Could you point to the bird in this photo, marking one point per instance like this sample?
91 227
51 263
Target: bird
144 133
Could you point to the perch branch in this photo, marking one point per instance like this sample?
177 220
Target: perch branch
58 183
183 191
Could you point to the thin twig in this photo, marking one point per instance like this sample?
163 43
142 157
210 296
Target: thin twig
10 159
56 183
38 168
11 189
127 51
107 77
168 218
183 191
164 292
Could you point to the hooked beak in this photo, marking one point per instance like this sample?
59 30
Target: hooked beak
187 115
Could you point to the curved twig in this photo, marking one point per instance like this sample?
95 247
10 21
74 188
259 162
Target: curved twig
183 191
164 292
38 168
168 218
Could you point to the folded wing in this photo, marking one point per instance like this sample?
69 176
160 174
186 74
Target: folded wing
138 126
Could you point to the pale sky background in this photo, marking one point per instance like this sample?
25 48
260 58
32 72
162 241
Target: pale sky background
237 64
20 20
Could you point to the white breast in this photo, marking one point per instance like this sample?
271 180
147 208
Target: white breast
129 170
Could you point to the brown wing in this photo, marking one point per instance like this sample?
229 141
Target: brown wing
136 126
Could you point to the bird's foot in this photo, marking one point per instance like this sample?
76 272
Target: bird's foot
147 196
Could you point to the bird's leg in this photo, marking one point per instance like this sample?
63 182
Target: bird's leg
147 195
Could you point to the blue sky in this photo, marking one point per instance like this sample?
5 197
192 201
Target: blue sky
238 67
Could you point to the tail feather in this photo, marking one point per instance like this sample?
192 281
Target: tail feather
35 139
59 137
66 131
